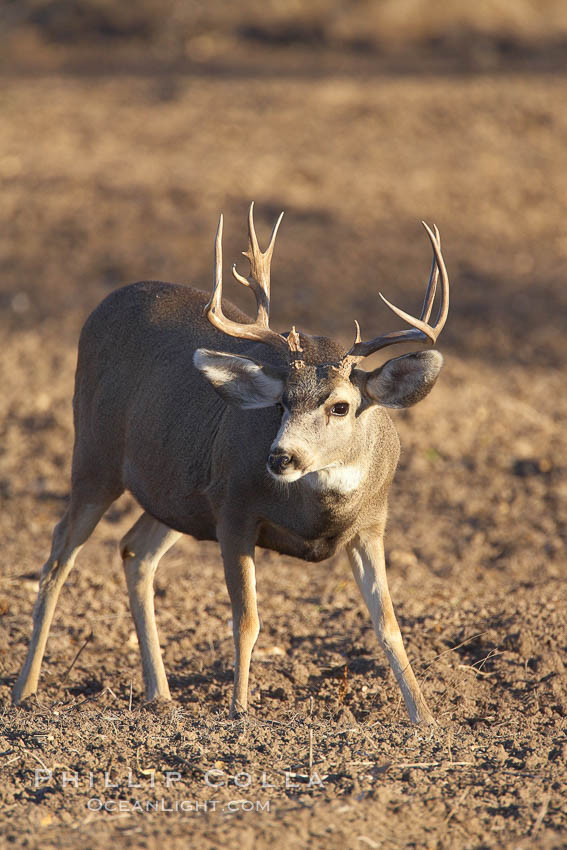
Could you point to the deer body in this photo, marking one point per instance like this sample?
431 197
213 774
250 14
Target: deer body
223 430
213 455
151 330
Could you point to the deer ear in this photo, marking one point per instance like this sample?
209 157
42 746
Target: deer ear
402 381
239 380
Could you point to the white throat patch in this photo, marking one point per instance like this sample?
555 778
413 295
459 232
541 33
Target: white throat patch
342 479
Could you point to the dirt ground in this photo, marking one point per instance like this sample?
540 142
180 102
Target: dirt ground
112 177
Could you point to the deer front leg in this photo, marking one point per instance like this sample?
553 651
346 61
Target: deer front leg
239 570
141 549
366 553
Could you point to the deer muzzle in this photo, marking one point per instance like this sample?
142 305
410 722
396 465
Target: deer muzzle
279 462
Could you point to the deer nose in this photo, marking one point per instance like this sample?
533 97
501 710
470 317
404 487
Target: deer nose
278 461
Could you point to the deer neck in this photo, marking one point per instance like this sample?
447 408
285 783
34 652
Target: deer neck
340 478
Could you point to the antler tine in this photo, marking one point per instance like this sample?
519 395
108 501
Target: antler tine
253 246
259 329
431 285
259 280
435 240
276 227
357 336
421 330
214 308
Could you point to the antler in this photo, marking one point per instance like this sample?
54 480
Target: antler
259 282
421 331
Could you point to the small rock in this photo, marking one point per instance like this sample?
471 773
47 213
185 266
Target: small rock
532 761
300 673
345 717
529 466
277 693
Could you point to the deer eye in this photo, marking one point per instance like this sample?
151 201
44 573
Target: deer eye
341 408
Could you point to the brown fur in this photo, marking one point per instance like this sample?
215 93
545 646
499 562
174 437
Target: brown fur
147 421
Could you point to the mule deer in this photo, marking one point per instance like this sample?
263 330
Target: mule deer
226 430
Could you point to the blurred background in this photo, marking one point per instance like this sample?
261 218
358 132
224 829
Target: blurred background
126 129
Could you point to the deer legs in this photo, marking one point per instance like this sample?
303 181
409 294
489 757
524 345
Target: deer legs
68 537
239 571
142 549
366 553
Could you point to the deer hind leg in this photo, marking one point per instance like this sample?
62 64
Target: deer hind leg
69 536
141 549
239 570
366 553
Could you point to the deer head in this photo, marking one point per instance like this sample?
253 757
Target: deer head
324 395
